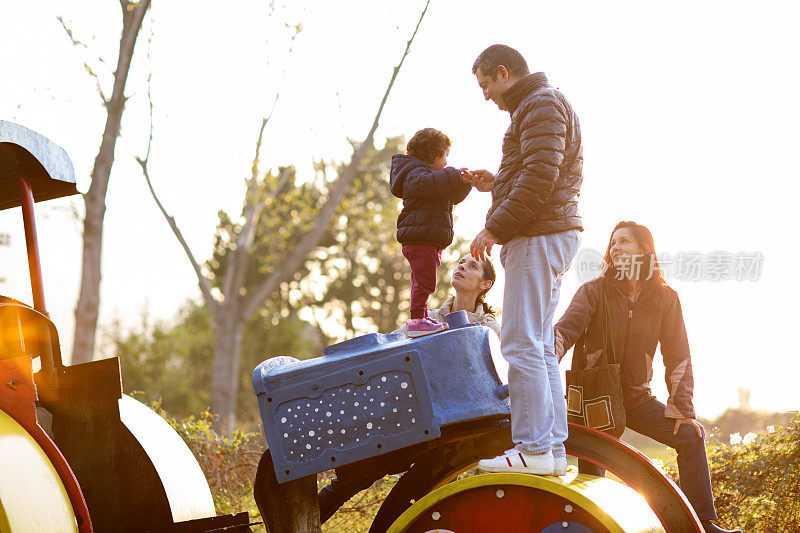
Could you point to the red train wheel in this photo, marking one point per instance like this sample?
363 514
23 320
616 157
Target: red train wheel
517 503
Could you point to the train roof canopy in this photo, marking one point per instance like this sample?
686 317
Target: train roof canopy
25 153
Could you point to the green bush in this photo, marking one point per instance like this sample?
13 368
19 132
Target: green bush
356 515
229 463
756 480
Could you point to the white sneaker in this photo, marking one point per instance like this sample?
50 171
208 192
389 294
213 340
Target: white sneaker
560 466
520 462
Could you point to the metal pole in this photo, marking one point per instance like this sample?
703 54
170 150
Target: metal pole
34 265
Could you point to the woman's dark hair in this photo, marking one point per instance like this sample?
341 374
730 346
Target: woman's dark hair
428 144
649 271
488 275
500 54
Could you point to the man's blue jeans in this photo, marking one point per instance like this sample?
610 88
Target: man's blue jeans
533 269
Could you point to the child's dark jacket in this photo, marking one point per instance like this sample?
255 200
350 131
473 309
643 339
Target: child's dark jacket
428 199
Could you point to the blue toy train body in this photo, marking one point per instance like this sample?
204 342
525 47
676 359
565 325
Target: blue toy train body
374 394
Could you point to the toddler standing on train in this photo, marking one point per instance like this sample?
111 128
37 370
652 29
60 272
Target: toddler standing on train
429 189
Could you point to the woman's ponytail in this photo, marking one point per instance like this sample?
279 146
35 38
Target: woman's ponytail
488 275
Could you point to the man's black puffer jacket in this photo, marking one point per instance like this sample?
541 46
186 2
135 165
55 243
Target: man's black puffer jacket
428 199
537 187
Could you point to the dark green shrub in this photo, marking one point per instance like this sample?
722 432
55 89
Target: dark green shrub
756 481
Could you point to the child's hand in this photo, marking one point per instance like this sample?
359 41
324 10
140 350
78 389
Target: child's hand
483 180
466 175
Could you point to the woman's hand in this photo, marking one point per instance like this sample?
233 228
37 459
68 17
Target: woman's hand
690 422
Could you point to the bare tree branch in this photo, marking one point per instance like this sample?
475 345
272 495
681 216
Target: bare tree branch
81 44
138 9
205 287
86 66
238 259
236 268
268 117
394 75
281 183
289 266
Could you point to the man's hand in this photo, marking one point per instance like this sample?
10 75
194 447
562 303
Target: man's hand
689 422
481 246
483 180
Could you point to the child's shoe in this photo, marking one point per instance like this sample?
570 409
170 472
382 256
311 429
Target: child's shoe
424 326
520 462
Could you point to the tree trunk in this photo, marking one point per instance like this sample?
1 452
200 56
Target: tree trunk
225 379
89 297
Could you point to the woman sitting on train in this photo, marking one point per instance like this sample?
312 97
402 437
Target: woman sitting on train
636 309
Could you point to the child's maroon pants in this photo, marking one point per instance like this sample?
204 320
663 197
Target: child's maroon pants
424 260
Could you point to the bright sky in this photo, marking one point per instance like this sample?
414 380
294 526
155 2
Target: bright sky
688 114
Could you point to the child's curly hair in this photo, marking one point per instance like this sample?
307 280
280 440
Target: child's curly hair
428 144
